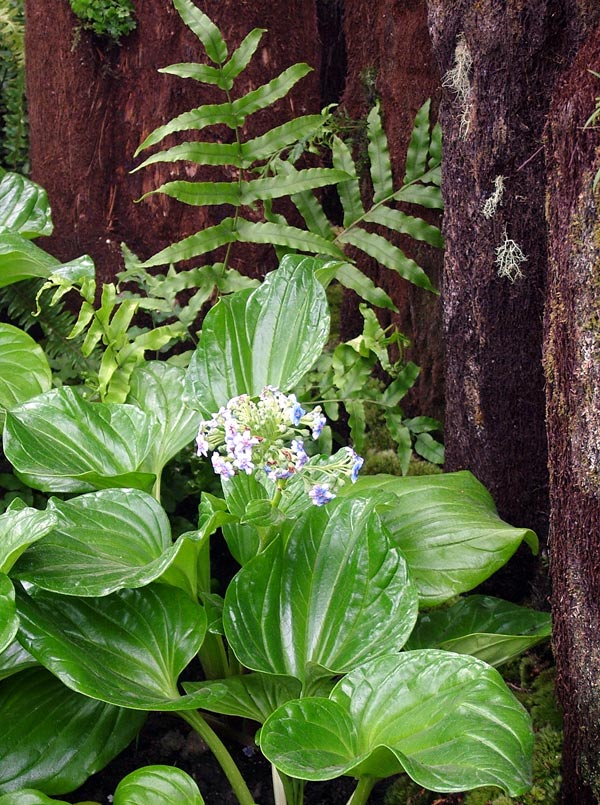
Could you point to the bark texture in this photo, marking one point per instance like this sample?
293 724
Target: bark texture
572 363
390 57
91 105
499 62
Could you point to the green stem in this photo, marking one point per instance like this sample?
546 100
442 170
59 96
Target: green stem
216 746
293 789
362 791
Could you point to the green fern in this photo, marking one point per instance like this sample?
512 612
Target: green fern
14 141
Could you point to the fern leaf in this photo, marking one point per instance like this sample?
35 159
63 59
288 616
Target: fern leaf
275 140
196 119
307 205
348 191
241 57
379 157
435 147
398 221
425 195
198 72
199 154
290 236
401 385
267 94
418 148
200 194
356 423
351 277
388 255
204 28
195 245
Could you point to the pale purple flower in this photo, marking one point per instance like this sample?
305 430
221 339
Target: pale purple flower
358 462
221 466
202 444
300 456
320 494
318 423
296 414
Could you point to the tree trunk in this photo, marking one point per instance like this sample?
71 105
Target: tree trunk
572 363
390 57
499 64
91 104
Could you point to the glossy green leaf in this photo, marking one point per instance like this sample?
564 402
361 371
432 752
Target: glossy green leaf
399 221
153 631
195 245
242 55
204 28
349 191
425 195
267 94
29 796
102 542
290 236
253 696
58 442
388 255
379 157
331 595
447 528
24 369
9 622
418 147
271 336
402 384
159 785
485 627
21 526
195 120
53 739
429 449
15 658
157 388
197 72
448 720
20 259
203 153
24 206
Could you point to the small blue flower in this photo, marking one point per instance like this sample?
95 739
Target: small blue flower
358 462
318 423
320 494
222 467
296 414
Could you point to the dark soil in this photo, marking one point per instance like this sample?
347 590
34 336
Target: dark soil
168 740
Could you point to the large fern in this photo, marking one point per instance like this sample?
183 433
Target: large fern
266 169
14 143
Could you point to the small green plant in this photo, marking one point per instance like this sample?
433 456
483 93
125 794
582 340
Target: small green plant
112 19
592 122
14 143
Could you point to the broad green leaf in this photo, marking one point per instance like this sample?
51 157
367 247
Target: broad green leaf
448 720
14 659
379 157
20 527
270 336
447 528
418 147
262 97
349 191
58 442
204 28
9 622
102 542
24 369
350 276
330 596
388 255
54 739
278 138
253 696
399 221
157 388
29 796
493 630
153 631
242 55
429 449
24 207
20 259
202 242
198 153
160 785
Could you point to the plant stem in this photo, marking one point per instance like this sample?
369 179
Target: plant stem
287 790
362 791
216 746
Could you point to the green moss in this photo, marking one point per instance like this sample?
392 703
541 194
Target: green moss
387 462
112 19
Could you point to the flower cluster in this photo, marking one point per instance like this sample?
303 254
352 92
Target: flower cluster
267 435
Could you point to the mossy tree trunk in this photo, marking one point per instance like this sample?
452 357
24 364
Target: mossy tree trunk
92 103
572 362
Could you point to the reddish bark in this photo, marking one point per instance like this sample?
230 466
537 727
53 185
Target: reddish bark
572 363
92 104
390 57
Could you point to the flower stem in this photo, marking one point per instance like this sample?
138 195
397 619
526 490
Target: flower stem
362 791
217 747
